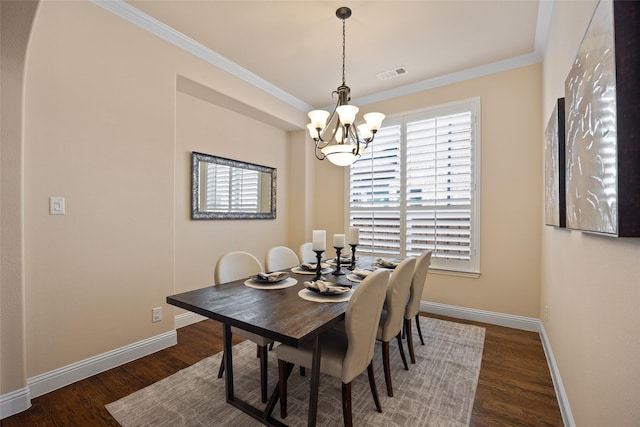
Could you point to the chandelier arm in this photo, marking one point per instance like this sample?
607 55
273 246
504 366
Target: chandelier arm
355 139
316 154
322 133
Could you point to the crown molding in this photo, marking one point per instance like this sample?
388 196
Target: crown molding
167 33
158 28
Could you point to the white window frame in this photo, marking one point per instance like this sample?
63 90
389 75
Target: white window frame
470 268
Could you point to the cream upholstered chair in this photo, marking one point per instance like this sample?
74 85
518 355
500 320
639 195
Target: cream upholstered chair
412 309
306 253
391 320
347 354
235 266
280 258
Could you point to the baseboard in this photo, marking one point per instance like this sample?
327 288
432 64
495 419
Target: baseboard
186 319
14 402
493 318
563 401
516 322
19 400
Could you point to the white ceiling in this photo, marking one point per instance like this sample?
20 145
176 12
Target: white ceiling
296 46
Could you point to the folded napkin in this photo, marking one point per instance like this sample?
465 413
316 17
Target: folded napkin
326 287
312 266
387 263
276 276
362 273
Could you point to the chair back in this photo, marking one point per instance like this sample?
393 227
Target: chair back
306 253
397 297
417 284
280 258
361 323
235 266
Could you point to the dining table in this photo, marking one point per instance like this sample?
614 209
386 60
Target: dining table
287 314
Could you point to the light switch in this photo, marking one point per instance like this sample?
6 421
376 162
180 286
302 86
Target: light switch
56 205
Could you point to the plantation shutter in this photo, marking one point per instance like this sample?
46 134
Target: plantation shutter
439 186
414 188
375 194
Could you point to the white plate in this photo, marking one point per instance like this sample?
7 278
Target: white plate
303 271
354 278
308 295
286 283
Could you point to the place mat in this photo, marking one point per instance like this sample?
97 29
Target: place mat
315 297
277 285
303 271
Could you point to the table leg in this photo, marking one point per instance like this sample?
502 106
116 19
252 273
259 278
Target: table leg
228 363
315 382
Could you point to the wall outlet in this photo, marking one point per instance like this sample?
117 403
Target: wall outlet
56 205
546 312
156 314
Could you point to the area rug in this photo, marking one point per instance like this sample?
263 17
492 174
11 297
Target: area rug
438 390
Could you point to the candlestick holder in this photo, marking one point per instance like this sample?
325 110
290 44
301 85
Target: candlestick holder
338 271
353 257
318 266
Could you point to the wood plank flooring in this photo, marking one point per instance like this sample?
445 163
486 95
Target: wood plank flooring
514 388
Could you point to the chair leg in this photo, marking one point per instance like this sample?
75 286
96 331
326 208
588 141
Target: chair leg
387 368
346 405
271 346
401 347
282 386
303 372
418 326
263 372
372 386
407 327
221 370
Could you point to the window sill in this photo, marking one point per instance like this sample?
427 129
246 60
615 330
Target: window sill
466 274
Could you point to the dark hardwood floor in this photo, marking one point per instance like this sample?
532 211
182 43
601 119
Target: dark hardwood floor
514 388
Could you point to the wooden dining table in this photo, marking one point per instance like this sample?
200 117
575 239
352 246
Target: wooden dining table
279 314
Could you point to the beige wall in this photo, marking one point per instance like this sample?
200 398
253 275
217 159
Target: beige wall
16 20
510 191
590 284
210 129
107 129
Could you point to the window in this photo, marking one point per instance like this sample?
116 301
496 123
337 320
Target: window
416 188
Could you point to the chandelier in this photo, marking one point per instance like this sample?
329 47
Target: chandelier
335 135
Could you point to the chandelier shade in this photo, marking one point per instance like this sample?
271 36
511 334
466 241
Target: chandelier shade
336 135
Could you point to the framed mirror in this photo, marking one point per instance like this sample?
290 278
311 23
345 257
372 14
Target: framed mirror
230 189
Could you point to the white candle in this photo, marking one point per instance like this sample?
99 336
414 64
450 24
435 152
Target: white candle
338 240
319 240
353 236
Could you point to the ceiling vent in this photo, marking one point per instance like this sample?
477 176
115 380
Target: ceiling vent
398 71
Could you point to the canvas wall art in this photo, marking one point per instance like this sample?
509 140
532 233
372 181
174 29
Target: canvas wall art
602 114
554 168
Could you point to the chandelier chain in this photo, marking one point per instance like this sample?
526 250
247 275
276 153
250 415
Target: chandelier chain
343 50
